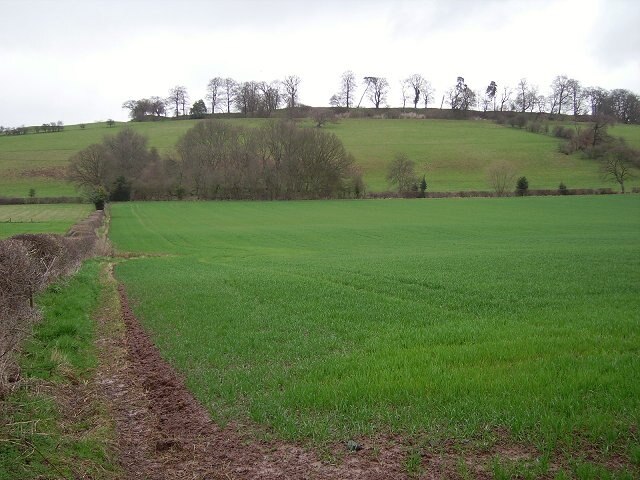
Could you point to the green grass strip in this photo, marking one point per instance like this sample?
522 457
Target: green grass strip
37 440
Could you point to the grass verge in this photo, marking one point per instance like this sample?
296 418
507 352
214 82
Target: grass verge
53 425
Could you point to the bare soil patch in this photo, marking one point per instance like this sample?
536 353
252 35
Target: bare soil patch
58 173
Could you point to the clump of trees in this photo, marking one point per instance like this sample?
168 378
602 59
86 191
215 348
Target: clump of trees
123 160
217 160
44 128
616 157
154 107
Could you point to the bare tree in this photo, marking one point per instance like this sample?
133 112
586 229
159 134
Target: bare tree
90 167
214 88
344 98
229 88
128 153
321 116
599 129
485 101
596 98
271 97
178 98
624 105
541 103
576 96
401 172
405 93
427 93
527 95
559 94
505 97
291 84
158 106
377 88
616 163
416 82
500 176
247 97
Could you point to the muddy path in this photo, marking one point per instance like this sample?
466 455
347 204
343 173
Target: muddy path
164 433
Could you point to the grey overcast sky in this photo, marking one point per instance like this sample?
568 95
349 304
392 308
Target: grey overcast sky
78 61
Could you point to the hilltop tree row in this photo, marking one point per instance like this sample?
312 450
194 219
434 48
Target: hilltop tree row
251 98
259 98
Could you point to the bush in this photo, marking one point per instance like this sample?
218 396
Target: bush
98 196
500 176
121 191
48 252
562 189
522 186
563 132
520 121
534 127
423 186
566 148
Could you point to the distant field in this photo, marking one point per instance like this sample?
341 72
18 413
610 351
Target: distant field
447 318
57 218
453 154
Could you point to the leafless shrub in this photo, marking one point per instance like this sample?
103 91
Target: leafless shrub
48 254
28 263
500 176
18 273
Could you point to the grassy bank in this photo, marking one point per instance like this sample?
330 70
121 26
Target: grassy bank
453 154
53 425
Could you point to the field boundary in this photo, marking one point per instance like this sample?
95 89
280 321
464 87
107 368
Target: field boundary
491 194
28 264
39 200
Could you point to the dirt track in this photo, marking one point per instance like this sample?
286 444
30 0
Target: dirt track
163 432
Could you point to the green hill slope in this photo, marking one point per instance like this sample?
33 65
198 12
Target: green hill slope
452 154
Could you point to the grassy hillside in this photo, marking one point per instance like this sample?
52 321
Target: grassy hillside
453 154
454 318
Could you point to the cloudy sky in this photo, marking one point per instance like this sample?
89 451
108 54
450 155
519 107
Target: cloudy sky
78 61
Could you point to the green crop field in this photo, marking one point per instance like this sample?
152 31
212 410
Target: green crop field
55 218
454 155
434 319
